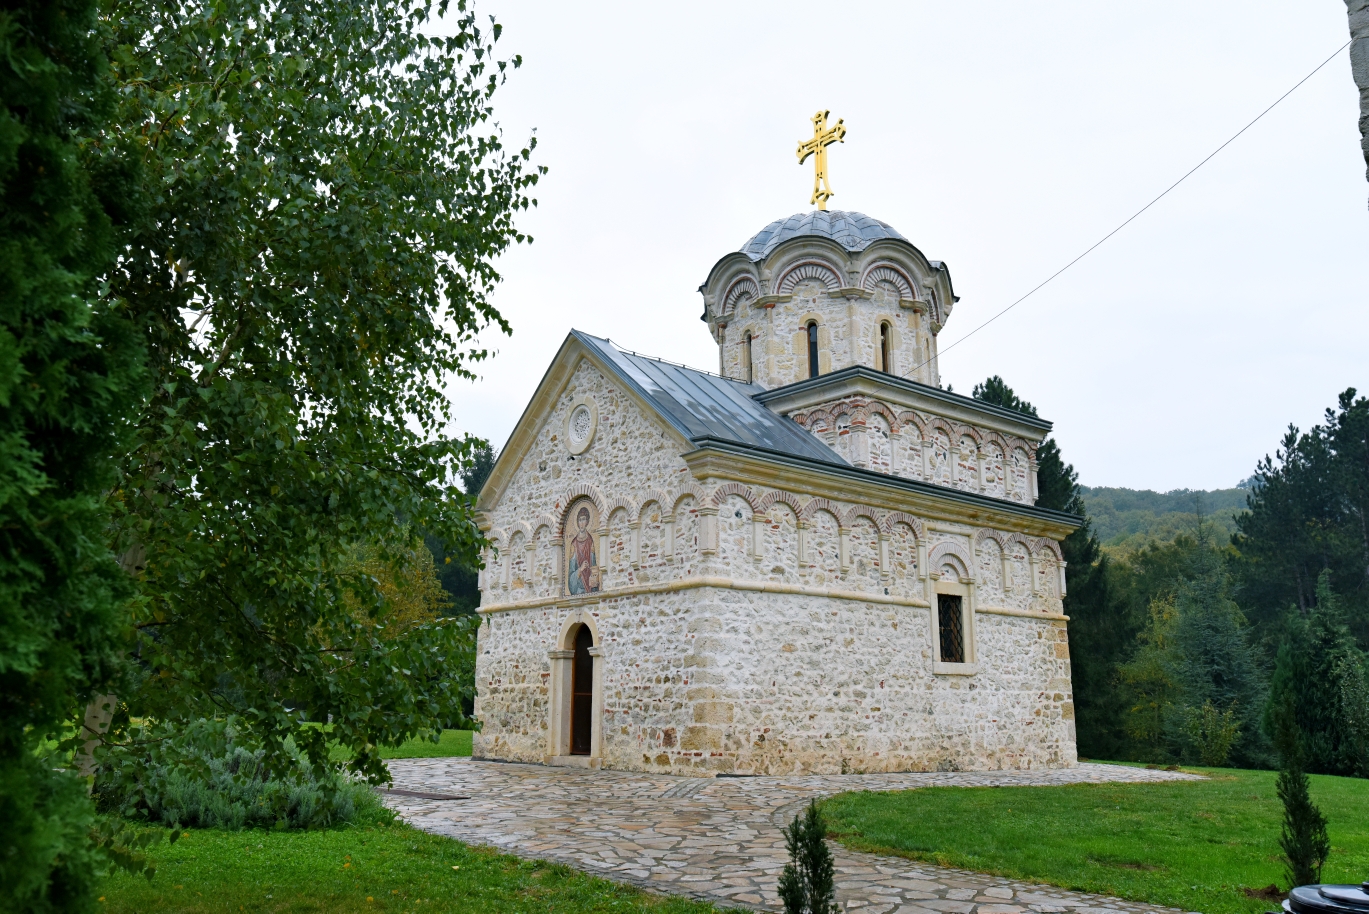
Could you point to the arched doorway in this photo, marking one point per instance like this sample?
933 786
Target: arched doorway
582 692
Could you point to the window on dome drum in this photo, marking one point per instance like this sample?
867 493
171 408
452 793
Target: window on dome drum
746 359
812 349
884 348
951 625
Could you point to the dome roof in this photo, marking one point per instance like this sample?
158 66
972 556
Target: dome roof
853 231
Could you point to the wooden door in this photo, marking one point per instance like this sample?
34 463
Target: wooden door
581 693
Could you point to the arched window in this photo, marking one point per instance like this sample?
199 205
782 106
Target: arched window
885 347
812 349
747 370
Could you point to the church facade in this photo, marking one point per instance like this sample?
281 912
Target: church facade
814 560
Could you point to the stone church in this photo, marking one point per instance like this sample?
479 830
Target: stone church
814 560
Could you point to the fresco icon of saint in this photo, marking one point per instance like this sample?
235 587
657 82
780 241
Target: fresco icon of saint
582 560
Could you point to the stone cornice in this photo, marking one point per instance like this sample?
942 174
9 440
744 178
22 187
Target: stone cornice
726 583
723 460
861 381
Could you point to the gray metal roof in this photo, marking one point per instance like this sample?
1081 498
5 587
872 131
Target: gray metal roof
853 231
704 406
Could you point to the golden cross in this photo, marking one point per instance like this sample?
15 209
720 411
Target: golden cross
823 136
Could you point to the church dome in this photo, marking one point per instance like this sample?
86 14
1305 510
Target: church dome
853 231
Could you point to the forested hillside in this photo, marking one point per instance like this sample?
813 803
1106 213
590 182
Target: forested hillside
1125 520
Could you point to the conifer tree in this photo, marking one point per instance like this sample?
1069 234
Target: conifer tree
807 884
1303 836
1218 686
1319 673
70 380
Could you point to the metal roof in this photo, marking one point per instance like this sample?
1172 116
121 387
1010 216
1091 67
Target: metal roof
705 406
853 231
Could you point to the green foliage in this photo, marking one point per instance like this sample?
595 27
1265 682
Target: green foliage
1303 836
365 870
1213 664
1212 732
70 378
1191 845
806 884
1193 690
1319 674
328 195
203 776
1127 520
1309 511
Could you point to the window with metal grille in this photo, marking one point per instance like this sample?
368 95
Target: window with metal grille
951 624
812 349
884 349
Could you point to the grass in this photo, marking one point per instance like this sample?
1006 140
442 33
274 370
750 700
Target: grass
451 744
377 869
1194 845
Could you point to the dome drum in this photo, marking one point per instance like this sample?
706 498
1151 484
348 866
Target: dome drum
858 288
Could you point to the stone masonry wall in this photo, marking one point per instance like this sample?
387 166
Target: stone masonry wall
712 680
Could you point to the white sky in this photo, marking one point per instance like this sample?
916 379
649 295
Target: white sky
1003 138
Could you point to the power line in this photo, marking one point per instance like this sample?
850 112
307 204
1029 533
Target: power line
1091 248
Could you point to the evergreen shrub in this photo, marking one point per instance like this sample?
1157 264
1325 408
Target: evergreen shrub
206 778
807 884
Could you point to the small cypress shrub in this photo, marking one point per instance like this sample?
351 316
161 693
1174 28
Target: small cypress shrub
1303 838
806 885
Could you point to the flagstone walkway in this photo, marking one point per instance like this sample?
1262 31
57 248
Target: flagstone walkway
718 839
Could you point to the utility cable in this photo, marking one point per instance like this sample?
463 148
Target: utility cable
1092 247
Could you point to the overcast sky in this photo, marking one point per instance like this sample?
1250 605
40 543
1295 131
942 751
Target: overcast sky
1002 138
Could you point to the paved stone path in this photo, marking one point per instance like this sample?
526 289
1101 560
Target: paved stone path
718 839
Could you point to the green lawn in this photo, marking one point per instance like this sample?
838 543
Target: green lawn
391 868
1193 845
451 743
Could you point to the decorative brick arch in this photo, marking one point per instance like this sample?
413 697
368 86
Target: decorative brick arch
995 438
986 534
620 503
692 490
936 422
1026 544
907 418
725 490
822 504
1045 544
878 406
743 289
770 499
864 511
546 521
884 271
969 431
657 496
898 517
942 551
580 490
517 528
806 270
